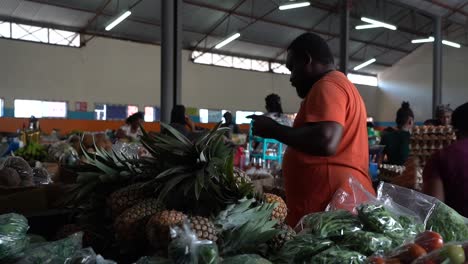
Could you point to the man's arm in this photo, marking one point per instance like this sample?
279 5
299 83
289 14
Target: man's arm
318 139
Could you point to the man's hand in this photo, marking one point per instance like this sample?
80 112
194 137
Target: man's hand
263 126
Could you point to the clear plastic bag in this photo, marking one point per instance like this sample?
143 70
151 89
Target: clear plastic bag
22 168
301 248
349 201
13 239
337 255
41 176
455 252
329 224
186 248
153 260
246 259
367 243
422 205
87 256
435 215
53 252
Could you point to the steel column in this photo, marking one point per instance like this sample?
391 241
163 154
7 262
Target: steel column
344 36
170 57
437 65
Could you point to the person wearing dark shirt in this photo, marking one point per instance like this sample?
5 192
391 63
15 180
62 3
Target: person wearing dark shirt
229 122
444 116
397 141
181 122
446 174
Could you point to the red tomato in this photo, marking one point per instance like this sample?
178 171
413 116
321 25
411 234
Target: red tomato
429 240
376 260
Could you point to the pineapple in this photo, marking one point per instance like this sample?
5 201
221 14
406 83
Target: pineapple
241 176
287 233
200 170
281 210
129 226
157 228
203 228
126 197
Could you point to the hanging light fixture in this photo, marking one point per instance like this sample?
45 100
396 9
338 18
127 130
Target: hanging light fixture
227 41
432 39
293 5
426 40
118 20
378 23
364 64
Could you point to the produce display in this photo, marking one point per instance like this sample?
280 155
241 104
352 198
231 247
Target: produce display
32 152
185 203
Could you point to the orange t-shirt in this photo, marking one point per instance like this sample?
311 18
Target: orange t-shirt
311 181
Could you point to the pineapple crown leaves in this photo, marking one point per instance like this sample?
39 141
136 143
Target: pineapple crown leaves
245 229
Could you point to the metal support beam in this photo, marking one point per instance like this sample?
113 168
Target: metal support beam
437 65
344 36
171 47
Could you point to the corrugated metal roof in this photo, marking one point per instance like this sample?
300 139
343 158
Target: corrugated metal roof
270 31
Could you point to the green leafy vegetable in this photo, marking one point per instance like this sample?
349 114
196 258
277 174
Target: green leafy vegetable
331 224
367 243
336 255
301 248
447 222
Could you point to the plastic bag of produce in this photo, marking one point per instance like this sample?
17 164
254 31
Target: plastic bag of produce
301 248
422 205
87 256
453 253
53 252
389 220
337 255
446 221
13 239
186 248
329 224
343 200
153 260
246 259
367 243
41 176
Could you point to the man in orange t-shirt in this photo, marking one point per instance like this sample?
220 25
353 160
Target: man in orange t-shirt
328 142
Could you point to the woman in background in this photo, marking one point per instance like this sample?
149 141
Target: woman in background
444 116
131 130
397 142
181 122
446 174
275 110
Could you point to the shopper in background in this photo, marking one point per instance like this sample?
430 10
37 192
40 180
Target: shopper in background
444 116
229 122
397 142
328 142
275 110
131 130
182 122
446 174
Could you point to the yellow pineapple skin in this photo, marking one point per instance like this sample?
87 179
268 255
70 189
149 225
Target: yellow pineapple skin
125 198
203 228
158 227
281 210
129 226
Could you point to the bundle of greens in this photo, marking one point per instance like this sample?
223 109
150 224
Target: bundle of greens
336 255
447 222
301 248
331 224
13 239
367 243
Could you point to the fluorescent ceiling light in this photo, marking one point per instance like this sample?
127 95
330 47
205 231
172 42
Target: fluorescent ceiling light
451 44
367 26
362 65
294 5
426 40
431 39
227 41
119 19
378 23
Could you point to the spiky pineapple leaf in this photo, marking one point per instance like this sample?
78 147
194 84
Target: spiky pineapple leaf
176 134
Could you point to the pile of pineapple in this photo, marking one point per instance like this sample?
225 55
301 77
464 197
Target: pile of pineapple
135 202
